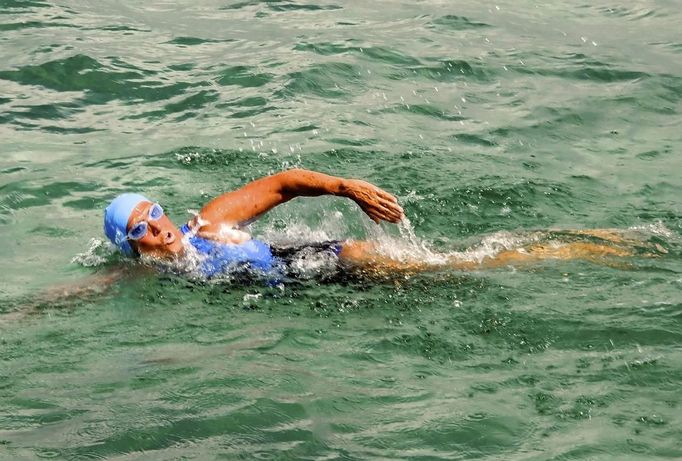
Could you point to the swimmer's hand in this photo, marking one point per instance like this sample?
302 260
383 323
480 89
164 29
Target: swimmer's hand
378 204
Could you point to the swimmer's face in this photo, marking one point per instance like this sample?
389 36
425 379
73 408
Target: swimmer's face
162 239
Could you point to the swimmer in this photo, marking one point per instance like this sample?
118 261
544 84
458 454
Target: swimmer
139 227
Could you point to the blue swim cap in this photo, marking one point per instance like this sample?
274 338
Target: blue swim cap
116 220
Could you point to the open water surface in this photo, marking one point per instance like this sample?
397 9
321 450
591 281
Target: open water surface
488 120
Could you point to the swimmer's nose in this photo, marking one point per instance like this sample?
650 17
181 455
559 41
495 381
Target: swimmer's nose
155 227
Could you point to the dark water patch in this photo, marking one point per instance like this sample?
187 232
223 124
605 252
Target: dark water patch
246 107
428 345
251 101
11 6
122 28
43 416
55 111
6 27
572 334
651 155
352 142
86 203
559 123
389 56
100 83
193 102
326 49
118 63
453 22
193 41
473 435
65 130
598 72
471 138
572 58
262 422
250 113
185 67
298 129
240 5
14 169
280 6
673 89
20 195
50 49
375 53
425 110
110 164
329 80
444 71
243 76
293 6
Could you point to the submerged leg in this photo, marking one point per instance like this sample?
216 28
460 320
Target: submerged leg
594 252
368 255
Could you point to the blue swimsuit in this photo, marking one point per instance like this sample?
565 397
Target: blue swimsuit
253 254
222 257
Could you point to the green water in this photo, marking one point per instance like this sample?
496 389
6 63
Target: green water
487 120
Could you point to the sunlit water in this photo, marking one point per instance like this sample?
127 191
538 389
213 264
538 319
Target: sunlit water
493 123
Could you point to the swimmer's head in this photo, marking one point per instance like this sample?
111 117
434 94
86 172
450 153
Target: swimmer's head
116 217
137 226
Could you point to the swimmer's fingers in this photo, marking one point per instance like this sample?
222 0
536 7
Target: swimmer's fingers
393 206
392 213
379 213
377 203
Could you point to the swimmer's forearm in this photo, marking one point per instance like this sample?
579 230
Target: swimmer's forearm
378 204
305 183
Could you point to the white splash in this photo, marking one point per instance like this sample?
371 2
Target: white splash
657 228
98 253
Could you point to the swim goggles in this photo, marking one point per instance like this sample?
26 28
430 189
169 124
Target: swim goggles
139 230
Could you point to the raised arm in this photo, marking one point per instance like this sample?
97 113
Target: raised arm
244 205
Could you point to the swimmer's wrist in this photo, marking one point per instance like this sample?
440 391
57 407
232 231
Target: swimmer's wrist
341 188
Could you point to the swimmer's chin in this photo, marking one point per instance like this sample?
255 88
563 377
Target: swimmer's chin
173 250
